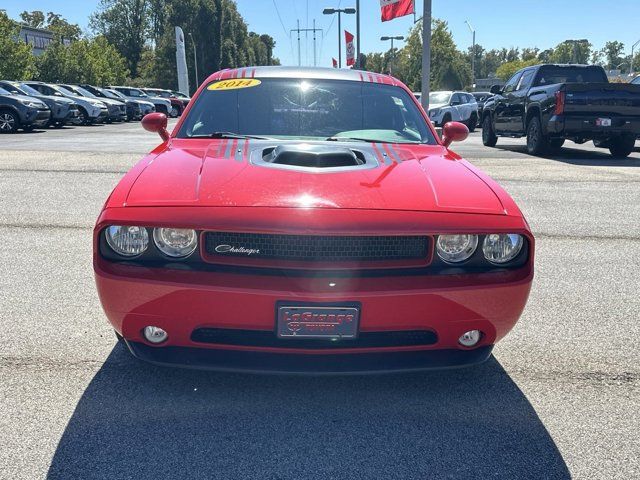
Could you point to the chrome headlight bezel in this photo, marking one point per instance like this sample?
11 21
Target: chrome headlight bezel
162 240
449 253
118 245
498 241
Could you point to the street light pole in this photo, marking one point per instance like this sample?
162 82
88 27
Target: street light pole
339 11
426 54
393 54
195 59
473 54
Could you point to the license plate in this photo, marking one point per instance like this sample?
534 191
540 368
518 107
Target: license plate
317 322
603 122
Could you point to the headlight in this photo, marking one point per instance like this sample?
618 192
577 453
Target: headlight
456 248
29 104
127 241
434 112
175 242
502 247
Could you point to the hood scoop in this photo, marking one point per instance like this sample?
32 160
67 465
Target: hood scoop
314 157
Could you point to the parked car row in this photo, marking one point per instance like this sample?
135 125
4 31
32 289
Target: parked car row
31 104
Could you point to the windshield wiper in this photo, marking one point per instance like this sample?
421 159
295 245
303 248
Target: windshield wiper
229 135
370 140
350 139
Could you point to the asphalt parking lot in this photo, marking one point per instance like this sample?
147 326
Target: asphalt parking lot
559 399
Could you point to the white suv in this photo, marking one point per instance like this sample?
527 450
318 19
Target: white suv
453 106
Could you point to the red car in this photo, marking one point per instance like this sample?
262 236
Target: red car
310 220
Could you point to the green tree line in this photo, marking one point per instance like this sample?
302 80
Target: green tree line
451 67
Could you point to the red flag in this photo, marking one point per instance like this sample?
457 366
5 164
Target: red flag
335 63
351 50
391 9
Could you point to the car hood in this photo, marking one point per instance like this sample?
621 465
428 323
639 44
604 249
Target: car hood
23 98
228 173
433 106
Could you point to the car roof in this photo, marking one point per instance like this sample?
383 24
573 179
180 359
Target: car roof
303 72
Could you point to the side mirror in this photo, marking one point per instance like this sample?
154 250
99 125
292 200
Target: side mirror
454 132
156 122
496 89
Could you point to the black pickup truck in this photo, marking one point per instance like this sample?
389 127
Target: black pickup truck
552 103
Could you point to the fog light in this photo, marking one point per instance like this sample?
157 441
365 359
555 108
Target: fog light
155 334
469 339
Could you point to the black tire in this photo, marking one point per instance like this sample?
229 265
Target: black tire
555 144
58 125
9 121
622 146
473 122
28 128
537 141
174 112
83 116
446 119
489 138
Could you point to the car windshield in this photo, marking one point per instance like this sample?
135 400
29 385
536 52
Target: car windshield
84 92
26 89
68 90
307 109
439 97
113 93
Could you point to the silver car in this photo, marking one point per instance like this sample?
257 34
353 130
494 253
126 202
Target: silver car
91 110
453 106
162 104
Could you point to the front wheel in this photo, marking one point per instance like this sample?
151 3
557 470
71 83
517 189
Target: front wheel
9 121
537 141
489 138
473 122
621 147
174 112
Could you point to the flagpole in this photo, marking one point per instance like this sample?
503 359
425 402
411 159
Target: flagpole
358 34
339 42
426 54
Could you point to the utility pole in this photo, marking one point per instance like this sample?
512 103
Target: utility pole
314 30
339 11
426 54
393 53
473 55
631 71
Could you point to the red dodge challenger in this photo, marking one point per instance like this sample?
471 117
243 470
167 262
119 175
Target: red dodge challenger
310 220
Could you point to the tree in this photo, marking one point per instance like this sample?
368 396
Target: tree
17 60
571 51
507 70
125 24
33 19
612 51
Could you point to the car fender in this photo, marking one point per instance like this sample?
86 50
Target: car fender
14 110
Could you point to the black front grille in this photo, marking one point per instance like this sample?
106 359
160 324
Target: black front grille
316 248
267 338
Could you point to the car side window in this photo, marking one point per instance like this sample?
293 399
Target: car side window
456 99
511 84
526 80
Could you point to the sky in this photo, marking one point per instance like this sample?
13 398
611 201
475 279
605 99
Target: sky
532 23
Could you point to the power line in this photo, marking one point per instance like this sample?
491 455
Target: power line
284 28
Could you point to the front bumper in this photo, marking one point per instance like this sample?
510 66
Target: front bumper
269 362
182 299
36 117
